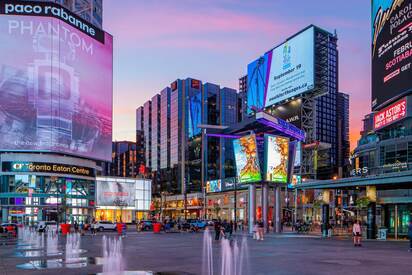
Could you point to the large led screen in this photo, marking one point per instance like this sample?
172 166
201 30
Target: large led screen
55 84
276 161
391 50
115 193
282 73
247 161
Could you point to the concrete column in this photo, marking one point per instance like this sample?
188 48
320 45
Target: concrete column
371 232
277 209
325 219
252 207
4 214
265 205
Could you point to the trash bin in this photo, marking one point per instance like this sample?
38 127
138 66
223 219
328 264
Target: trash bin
65 227
119 228
156 227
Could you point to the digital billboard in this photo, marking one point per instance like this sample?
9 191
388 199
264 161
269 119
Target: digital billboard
55 81
195 114
391 50
213 186
247 160
115 193
282 73
277 156
390 114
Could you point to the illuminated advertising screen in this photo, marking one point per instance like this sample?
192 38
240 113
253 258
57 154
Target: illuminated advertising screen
276 161
390 114
115 193
195 114
282 73
391 50
55 81
247 161
298 155
213 186
296 180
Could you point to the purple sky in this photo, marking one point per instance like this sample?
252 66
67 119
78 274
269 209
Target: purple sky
156 42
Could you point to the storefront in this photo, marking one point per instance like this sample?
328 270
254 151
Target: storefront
122 199
174 207
33 189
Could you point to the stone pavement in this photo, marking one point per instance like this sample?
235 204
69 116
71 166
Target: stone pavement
181 253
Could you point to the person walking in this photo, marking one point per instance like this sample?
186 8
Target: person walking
217 230
410 234
260 230
357 233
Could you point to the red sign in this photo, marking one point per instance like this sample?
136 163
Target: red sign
390 114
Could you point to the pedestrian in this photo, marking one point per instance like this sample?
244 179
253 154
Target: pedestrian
330 228
76 227
261 227
217 230
255 231
231 229
410 234
357 233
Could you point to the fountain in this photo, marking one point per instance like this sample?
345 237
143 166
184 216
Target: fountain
72 247
52 243
234 259
113 262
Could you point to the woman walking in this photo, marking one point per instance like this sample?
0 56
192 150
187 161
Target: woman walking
357 234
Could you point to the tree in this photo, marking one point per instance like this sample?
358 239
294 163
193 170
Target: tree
216 208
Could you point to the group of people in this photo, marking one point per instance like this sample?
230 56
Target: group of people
223 229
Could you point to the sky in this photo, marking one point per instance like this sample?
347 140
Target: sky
157 42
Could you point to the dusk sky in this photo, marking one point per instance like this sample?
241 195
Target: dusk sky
156 42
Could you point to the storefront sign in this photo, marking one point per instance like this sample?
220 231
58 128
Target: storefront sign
359 171
52 168
390 114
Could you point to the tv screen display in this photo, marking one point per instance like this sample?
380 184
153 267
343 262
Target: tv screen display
247 161
55 85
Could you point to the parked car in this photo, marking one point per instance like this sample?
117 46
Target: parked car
146 225
197 223
5 225
105 225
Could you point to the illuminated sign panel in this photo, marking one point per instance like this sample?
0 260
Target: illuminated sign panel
247 161
391 50
52 168
282 73
55 82
213 186
390 114
276 162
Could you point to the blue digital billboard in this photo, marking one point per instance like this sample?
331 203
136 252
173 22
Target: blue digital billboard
282 73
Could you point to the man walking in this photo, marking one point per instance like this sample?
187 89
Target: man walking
410 234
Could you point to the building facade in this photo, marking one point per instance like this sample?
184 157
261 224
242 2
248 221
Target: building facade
124 160
173 120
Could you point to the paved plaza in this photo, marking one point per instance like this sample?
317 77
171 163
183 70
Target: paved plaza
181 253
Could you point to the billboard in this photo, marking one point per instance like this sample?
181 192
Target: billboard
115 193
276 161
390 114
282 73
391 50
247 161
213 186
55 81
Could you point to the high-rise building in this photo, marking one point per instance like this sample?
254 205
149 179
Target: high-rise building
172 121
89 10
124 161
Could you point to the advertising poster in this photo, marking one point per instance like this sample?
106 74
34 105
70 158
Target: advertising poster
56 86
391 50
277 155
213 186
113 193
247 162
291 70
